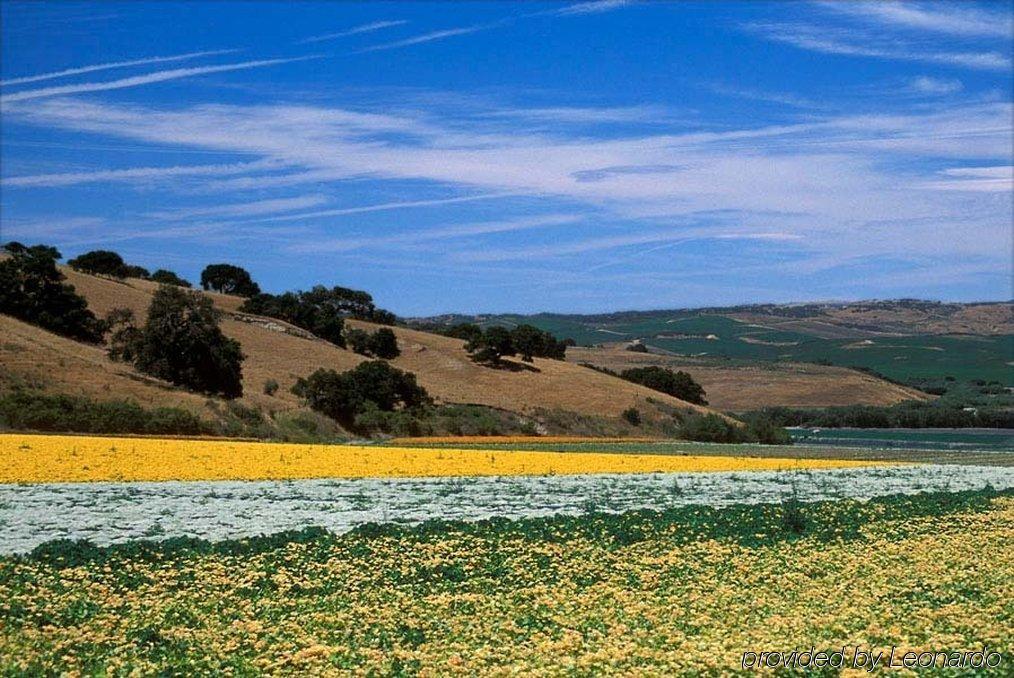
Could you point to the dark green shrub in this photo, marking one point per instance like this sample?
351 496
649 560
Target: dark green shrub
344 395
373 420
793 518
31 290
270 387
358 340
29 410
384 344
476 420
710 428
766 431
632 416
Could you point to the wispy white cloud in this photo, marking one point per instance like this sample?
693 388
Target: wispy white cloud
852 43
244 209
591 7
997 179
429 37
670 237
147 79
960 19
762 95
136 174
387 206
455 232
927 85
846 185
577 114
111 65
356 30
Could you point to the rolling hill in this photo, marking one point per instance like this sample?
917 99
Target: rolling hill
276 350
906 340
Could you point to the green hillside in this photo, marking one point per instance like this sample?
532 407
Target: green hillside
915 357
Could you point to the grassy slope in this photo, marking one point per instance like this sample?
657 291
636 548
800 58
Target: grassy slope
37 357
441 363
749 386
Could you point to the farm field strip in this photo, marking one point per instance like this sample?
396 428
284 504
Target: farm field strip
972 439
54 458
118 512
978 456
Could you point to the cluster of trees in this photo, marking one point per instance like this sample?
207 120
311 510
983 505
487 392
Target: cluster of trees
179 342
380 344
106 262
491 345
320 310
678 384
908 414
32 289
370 386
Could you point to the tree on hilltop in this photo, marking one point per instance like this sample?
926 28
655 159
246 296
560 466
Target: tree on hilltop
229 279
320 310
169 278
31 289
100 262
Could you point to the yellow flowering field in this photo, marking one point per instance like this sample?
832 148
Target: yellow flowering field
56 458
511 440
647 594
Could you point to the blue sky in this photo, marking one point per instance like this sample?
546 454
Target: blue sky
479 157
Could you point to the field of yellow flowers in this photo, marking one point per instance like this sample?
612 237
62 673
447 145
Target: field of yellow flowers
512 440
56 458
644 593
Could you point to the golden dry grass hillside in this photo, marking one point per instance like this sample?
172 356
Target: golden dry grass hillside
33 356
278 351
738 388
